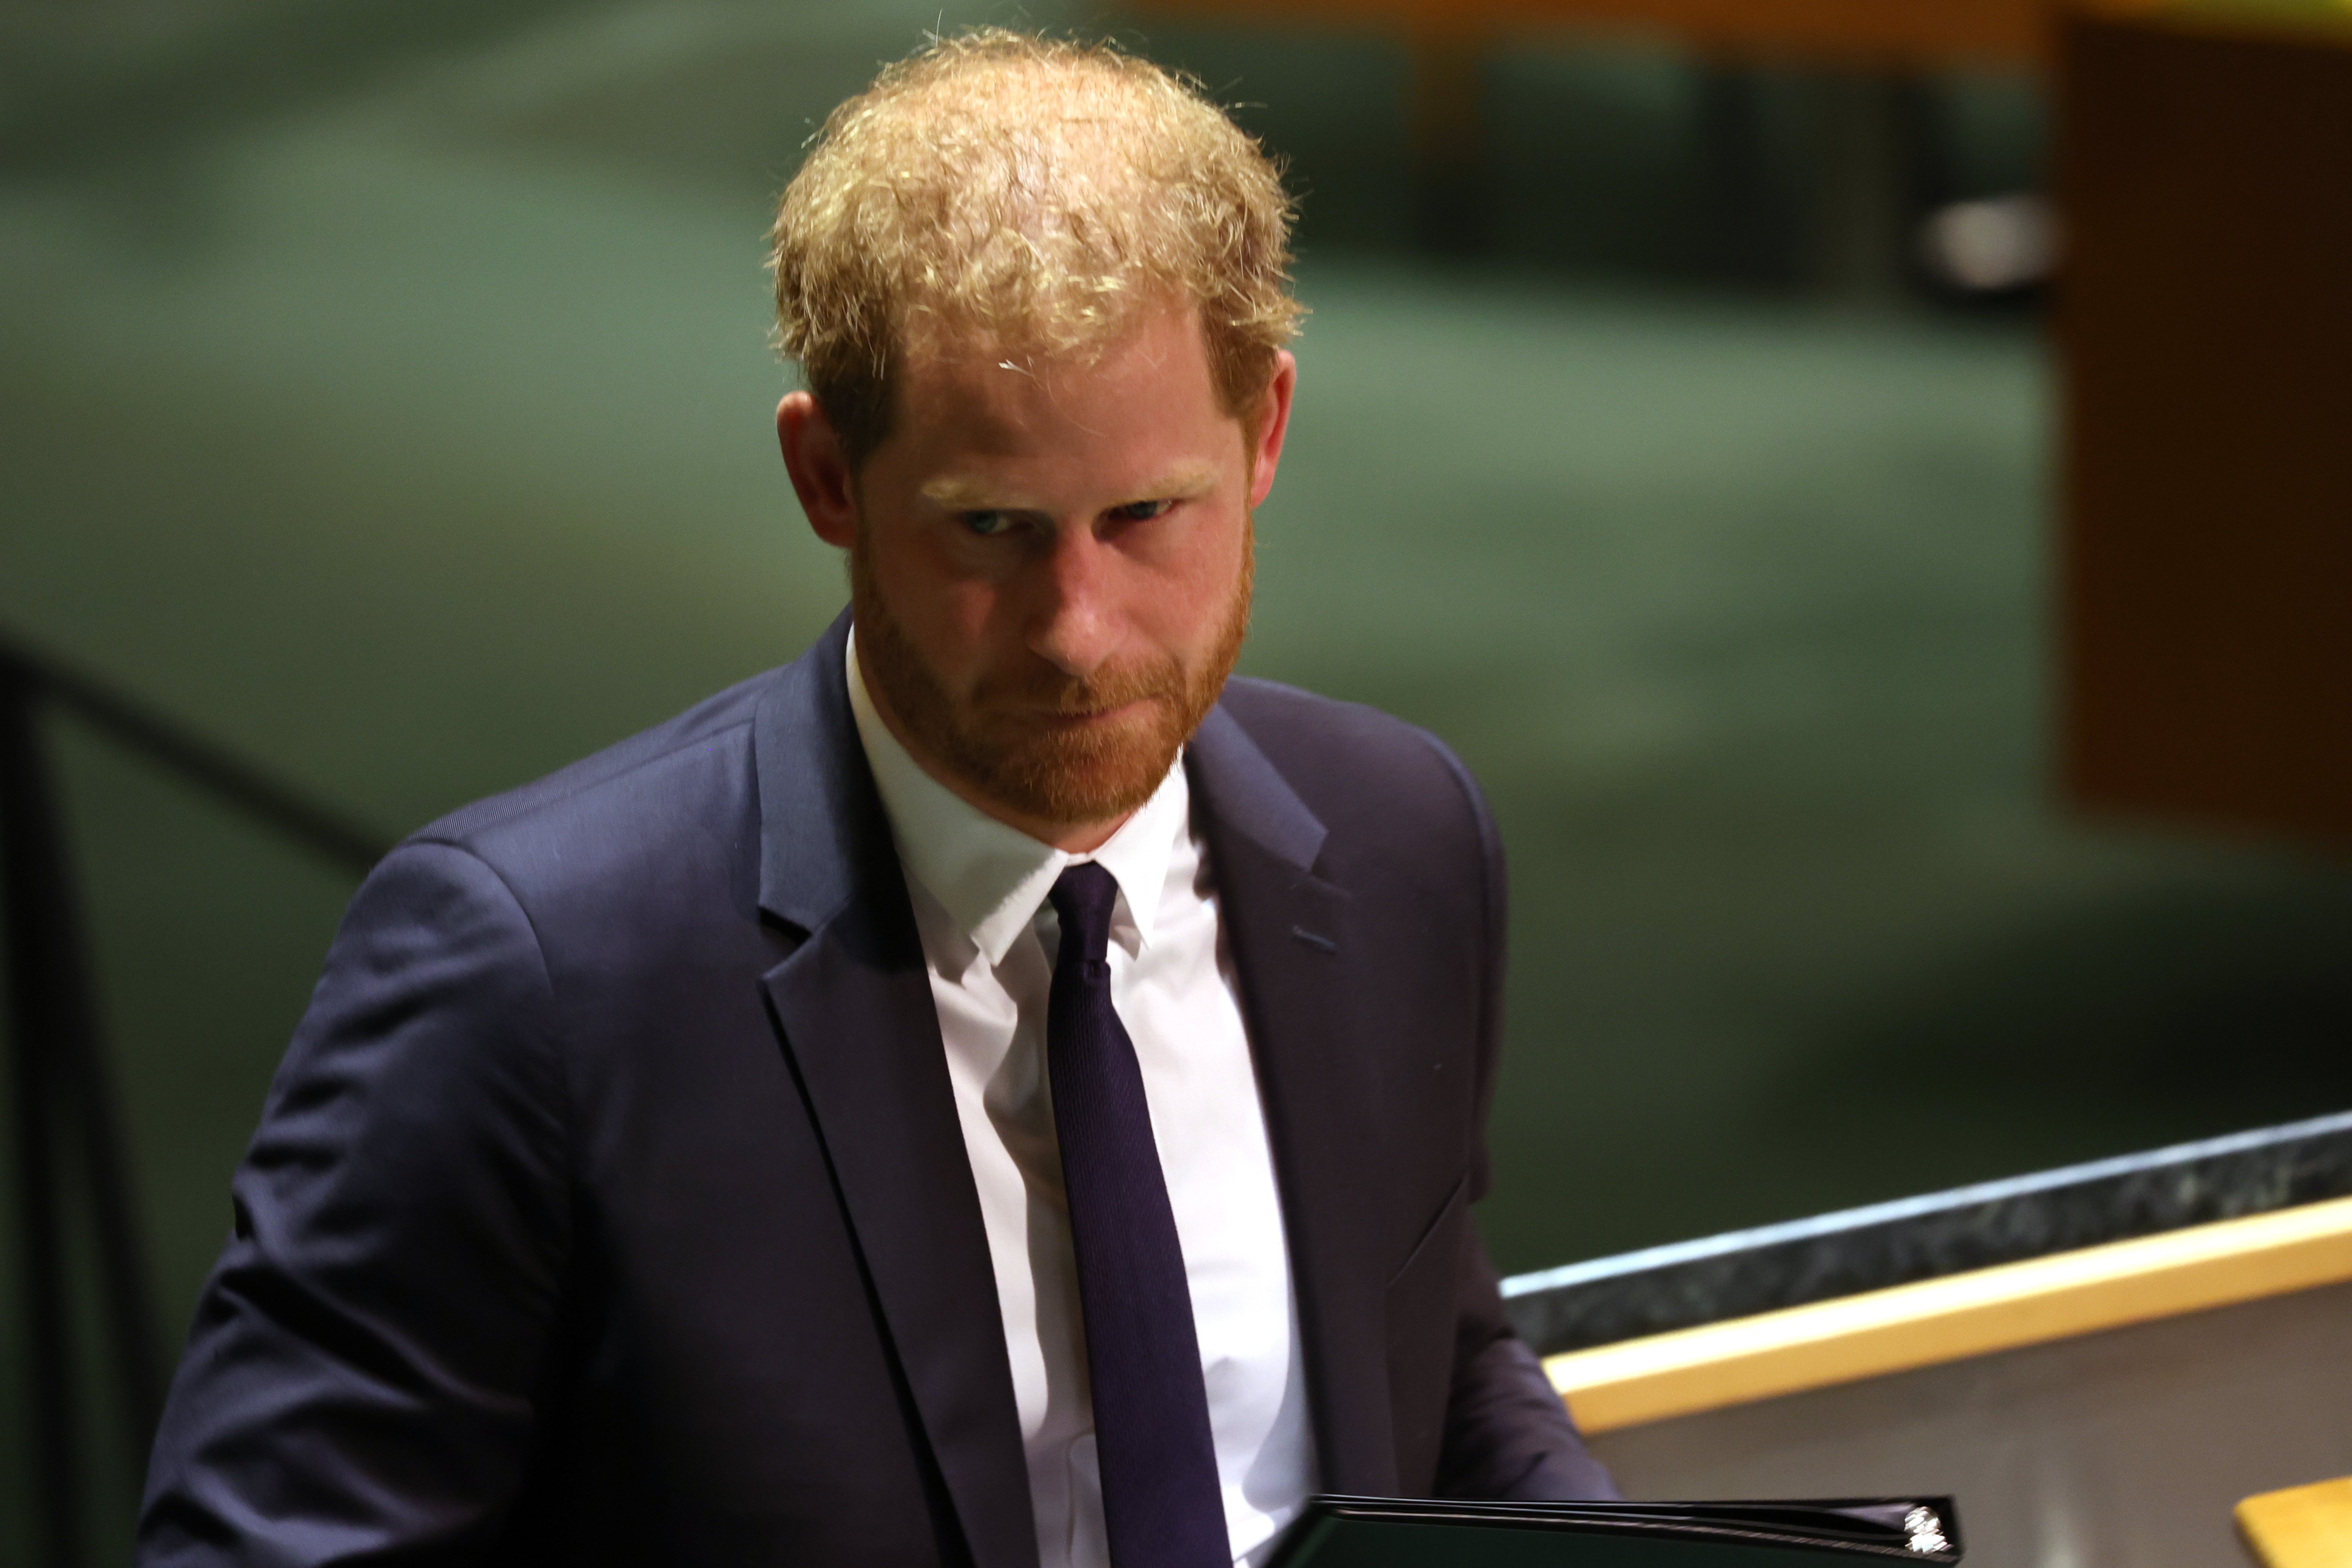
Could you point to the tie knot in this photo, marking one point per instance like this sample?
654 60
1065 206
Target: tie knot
1082 899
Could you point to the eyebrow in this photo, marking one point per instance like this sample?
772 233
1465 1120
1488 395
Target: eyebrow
957 493
1182 482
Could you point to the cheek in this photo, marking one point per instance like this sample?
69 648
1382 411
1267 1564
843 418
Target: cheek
970 614
1190 605
948 614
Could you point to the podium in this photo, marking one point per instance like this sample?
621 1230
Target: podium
2097 1363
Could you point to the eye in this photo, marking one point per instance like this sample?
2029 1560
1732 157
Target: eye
1142 510
986 524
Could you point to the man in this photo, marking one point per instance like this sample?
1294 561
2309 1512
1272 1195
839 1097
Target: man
991 1091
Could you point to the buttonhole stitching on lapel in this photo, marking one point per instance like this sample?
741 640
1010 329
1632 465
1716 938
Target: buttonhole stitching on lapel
1456 1201
1321 943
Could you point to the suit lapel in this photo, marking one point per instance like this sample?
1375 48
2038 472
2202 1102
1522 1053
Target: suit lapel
1290 935
854 1005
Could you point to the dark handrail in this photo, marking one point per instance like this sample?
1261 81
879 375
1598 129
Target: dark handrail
66 1121
327 832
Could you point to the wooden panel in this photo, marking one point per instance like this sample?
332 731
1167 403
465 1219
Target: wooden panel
1978 1313
2301 1527
2206 324
1890 32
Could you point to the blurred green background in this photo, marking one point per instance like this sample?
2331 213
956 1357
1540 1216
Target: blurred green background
384 395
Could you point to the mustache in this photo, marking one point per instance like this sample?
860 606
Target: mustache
1067 696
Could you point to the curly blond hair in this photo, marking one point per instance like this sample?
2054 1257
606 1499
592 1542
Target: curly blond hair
1024 195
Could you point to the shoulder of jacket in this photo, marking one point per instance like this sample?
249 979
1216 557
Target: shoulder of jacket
580 804
1347 758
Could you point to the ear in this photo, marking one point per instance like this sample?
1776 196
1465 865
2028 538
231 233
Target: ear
1270 422
819 466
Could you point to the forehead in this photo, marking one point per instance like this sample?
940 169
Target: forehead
1148 388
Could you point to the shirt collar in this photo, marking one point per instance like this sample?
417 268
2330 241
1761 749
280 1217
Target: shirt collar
990 878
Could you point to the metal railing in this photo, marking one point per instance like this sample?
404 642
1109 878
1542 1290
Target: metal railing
67 1130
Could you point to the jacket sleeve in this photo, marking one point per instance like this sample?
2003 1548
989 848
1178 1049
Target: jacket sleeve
1507 1435
361 1380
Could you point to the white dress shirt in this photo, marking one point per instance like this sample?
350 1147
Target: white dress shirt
979 888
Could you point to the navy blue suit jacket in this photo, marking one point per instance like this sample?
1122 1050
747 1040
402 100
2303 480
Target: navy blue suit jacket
611 1204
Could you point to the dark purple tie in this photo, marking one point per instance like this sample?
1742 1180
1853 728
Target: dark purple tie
1161 1505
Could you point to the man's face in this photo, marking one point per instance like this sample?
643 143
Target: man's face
1050 567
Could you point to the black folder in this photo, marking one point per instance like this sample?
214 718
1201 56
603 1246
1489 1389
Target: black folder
1396 1533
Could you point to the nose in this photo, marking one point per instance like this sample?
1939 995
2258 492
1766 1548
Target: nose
1073 625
